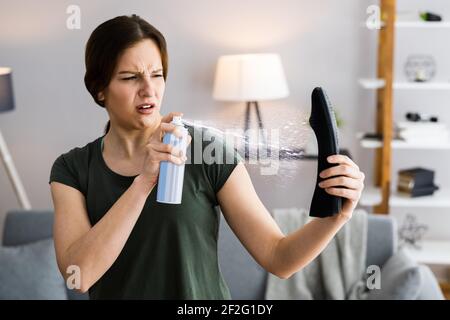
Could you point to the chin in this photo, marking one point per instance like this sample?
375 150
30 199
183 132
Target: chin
150 122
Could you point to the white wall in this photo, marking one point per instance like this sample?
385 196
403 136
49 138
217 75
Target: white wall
321 42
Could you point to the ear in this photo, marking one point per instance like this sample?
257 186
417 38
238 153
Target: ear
101 96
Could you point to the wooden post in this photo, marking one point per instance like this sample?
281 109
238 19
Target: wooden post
384 103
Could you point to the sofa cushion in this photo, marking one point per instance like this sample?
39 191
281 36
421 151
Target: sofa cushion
30 272
400 279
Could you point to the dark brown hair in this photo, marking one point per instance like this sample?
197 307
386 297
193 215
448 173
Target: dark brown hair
108 41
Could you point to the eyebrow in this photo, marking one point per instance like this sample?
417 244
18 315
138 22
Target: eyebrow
136 72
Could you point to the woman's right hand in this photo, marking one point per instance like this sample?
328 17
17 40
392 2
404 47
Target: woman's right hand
157 151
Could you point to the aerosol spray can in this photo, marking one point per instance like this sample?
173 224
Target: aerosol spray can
171 175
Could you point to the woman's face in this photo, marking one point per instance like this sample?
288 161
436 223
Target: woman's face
136 82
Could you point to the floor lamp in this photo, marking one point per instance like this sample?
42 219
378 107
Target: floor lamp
7 104
250 78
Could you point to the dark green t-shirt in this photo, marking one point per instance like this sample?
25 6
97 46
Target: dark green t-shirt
171 252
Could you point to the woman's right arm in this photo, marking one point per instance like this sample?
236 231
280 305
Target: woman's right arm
95 248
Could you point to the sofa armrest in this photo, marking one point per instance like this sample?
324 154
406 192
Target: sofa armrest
25 226
381 239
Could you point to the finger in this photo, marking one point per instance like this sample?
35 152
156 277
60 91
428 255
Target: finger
169 127
169 157
344 193
169 117
339 158
341 170
189 139
167 148
341 182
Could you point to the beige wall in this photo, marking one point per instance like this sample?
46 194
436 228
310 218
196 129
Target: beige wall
321 42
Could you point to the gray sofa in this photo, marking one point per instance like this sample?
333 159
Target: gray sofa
245 278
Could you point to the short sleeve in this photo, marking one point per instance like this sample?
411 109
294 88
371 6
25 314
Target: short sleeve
220 159
64 171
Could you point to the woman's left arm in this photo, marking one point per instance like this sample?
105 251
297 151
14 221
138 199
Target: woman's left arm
258 232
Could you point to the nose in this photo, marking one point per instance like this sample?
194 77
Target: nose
147 88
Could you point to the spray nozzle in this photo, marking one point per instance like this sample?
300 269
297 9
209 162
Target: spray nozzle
177 120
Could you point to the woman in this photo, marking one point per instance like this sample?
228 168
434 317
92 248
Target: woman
107 220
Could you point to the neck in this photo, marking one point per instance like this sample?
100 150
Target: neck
125 144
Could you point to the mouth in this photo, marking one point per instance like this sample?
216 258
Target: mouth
146 108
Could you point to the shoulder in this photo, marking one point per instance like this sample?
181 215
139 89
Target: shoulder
71 168
212 140
215 152
78 156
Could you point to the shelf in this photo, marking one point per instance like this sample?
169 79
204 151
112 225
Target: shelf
436 252
380 83
372 83
399 144
440 199
422 85
419 24
422 24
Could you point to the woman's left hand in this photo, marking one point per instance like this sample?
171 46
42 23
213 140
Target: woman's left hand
343 180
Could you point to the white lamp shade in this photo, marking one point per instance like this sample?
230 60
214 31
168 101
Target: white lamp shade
250 77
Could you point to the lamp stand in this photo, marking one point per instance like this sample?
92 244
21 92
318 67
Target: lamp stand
13 175
247 123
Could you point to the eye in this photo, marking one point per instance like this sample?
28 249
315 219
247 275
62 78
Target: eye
130 78
157 75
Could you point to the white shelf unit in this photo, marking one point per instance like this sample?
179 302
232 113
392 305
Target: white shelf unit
416 24
423 24
440 199
399 144
422 85
434 252
380 83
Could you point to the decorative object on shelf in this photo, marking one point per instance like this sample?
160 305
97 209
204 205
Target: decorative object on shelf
7 104
411 232
250 78
416 182
429 16
373 136
422 117
420 67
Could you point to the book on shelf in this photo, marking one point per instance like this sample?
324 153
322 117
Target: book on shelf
417 175
416 182
418 191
